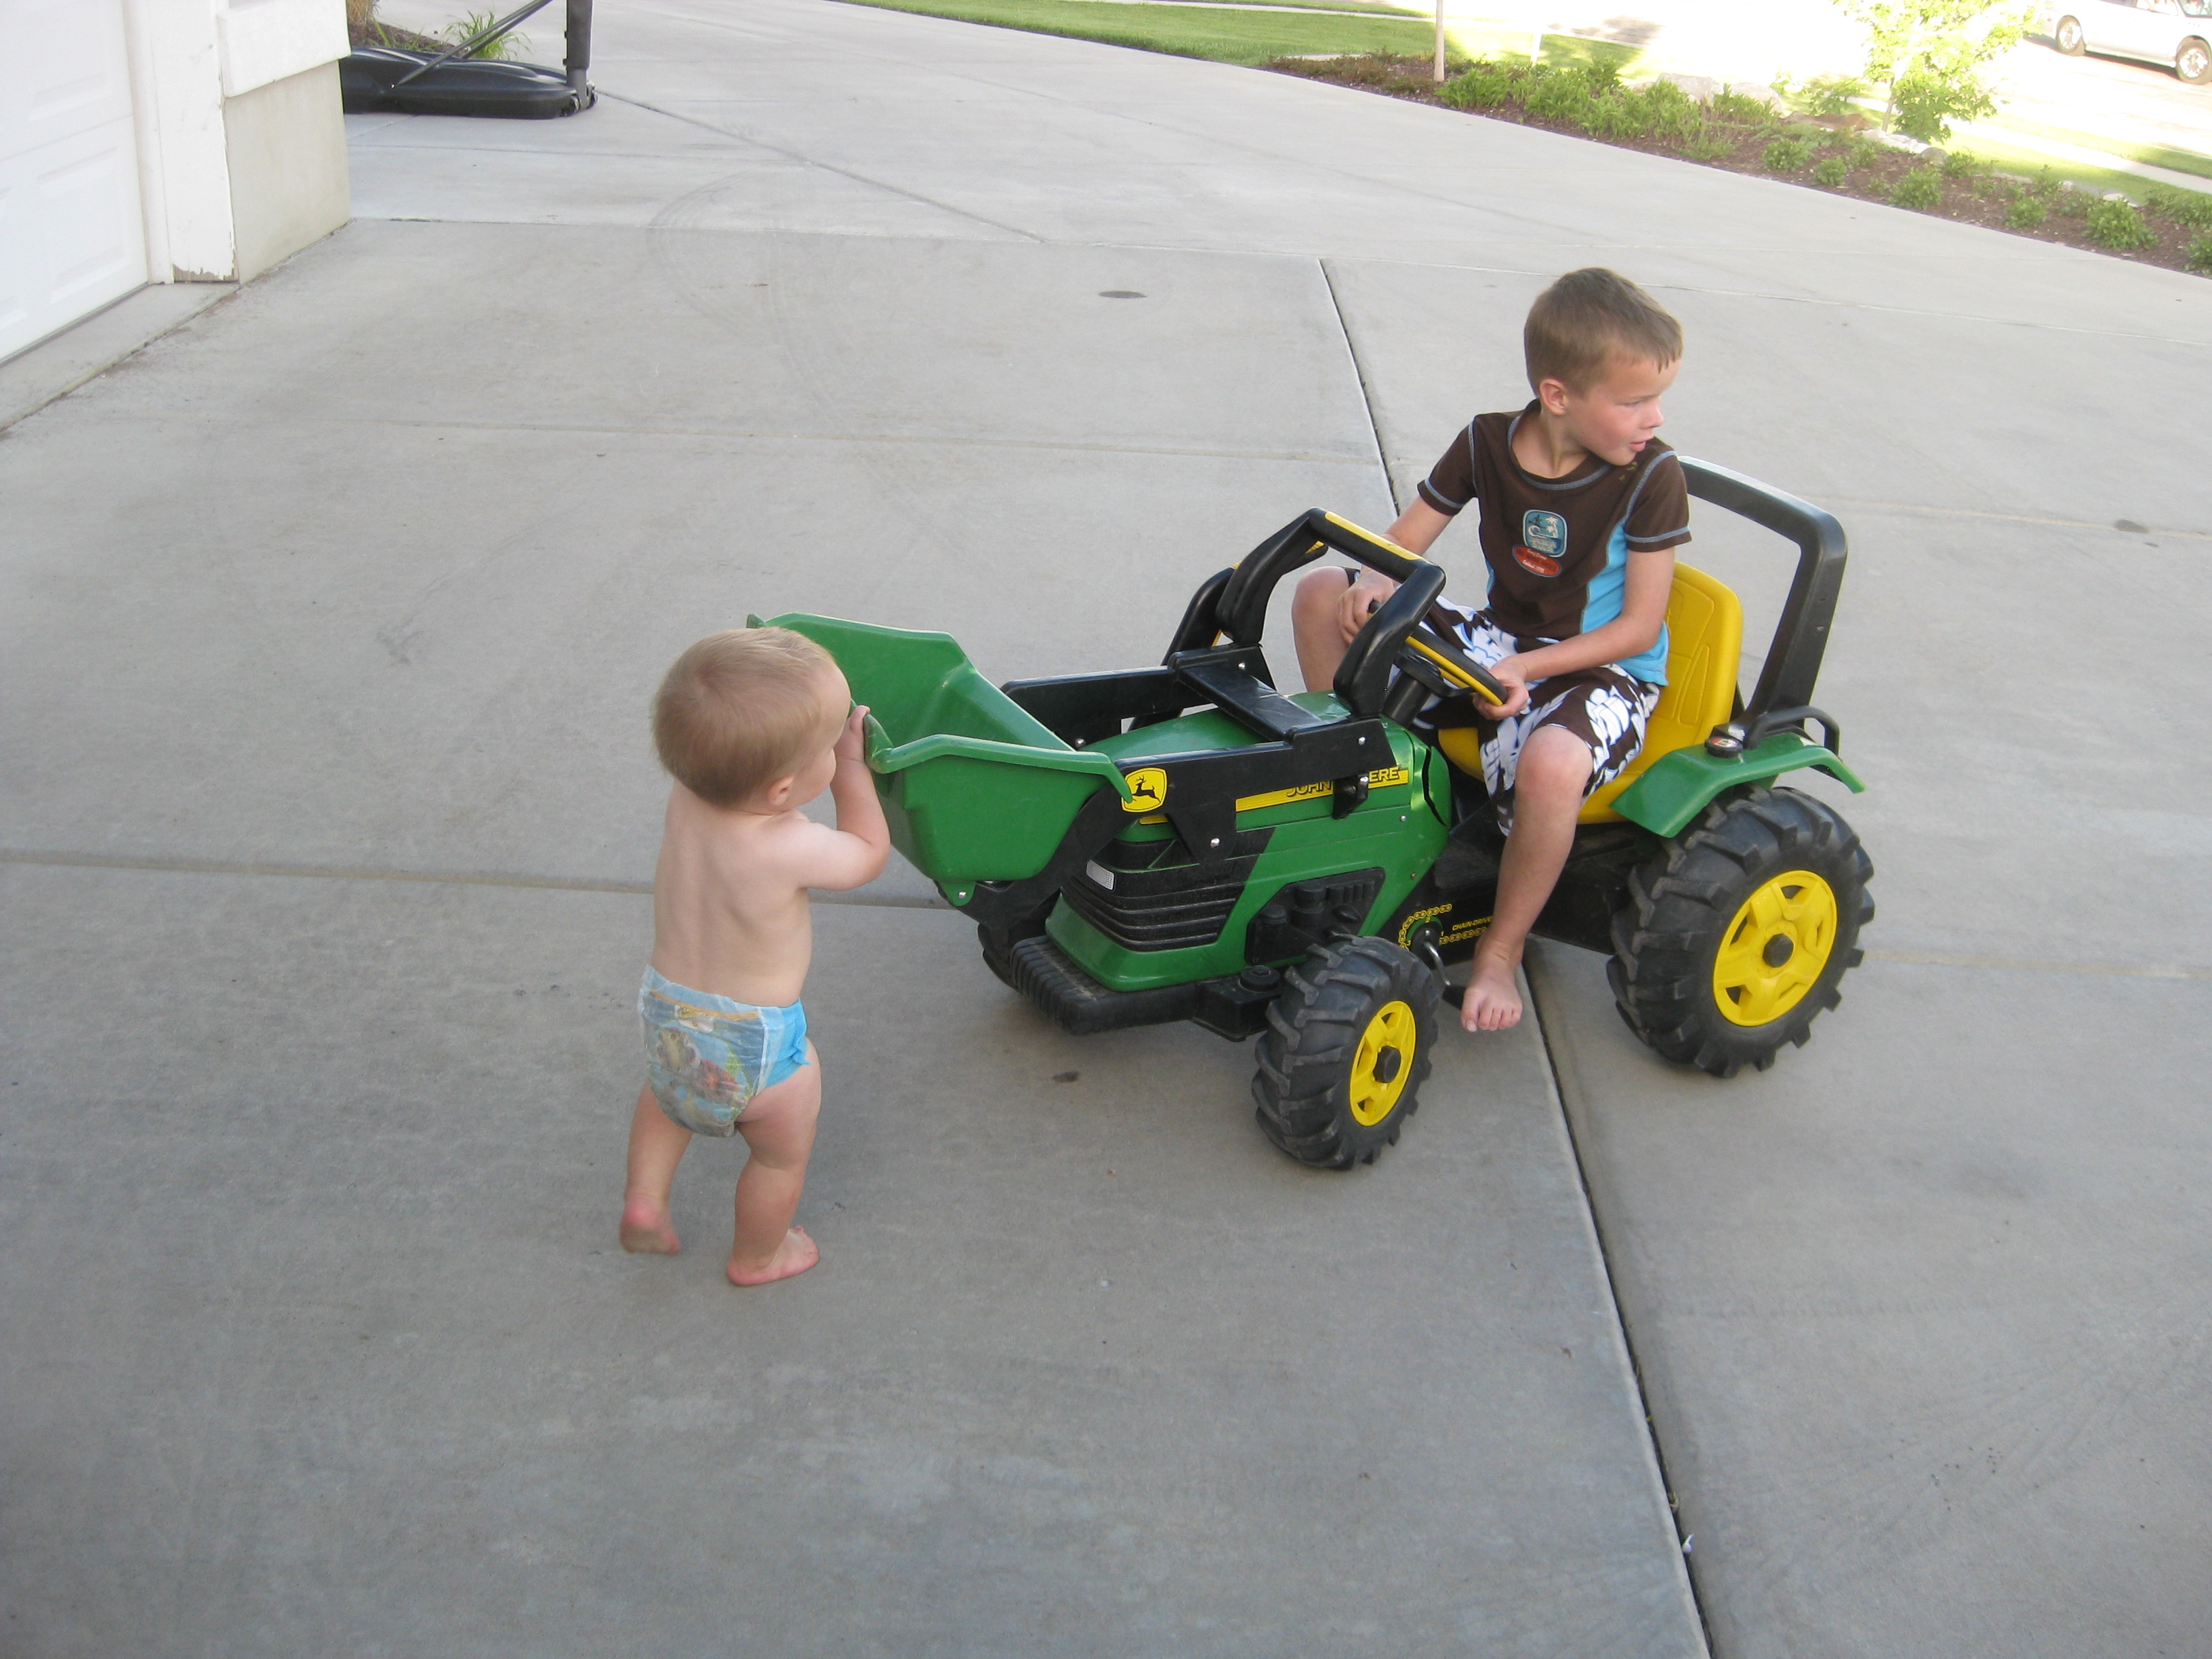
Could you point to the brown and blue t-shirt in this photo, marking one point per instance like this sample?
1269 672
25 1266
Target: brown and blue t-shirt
1558 548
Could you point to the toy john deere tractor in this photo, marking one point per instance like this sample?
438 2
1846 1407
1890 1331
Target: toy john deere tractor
1187 843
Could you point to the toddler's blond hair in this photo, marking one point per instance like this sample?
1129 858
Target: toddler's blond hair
740 709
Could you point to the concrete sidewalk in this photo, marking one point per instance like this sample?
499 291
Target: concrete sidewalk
332 617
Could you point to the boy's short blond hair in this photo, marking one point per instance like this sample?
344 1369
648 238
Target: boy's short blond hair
1589 320
740 709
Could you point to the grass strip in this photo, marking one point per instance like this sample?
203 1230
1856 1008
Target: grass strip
1240 36
1380 8
2176 160
2033 163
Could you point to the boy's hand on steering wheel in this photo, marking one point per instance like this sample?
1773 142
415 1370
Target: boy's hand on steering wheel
1360 600
1508 673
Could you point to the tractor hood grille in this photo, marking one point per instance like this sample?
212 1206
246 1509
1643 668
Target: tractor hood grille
1153 896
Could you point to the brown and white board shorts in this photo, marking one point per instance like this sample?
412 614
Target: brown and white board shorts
1607 708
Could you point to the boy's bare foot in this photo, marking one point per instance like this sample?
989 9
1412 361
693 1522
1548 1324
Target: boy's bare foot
1493 1002
647 1231
794 1256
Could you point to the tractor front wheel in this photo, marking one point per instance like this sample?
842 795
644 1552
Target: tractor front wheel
1345 1053
1732 940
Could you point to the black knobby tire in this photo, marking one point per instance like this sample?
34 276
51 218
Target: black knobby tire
1345 1051
997 948
1746 878
997 945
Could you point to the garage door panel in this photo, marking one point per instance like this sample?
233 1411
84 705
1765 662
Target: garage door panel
91 202
71 238
65 71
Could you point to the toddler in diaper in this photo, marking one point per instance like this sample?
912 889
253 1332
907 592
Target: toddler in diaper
752 724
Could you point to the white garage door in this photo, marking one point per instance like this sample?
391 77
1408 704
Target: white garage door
71 238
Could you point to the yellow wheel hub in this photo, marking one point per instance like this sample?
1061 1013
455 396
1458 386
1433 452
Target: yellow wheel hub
1384 1061
1775 948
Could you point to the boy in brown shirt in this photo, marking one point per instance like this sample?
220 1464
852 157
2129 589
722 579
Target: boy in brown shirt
1581 509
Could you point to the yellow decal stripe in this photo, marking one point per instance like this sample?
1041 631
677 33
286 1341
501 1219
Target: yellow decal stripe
1382 778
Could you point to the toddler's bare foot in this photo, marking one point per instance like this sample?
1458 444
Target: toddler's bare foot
1493 1002
646 1230
794 1256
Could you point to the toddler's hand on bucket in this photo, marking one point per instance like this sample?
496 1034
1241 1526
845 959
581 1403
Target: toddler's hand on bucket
853 741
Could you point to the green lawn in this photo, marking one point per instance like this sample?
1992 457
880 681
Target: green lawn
1384 7
2019 158
2180 161
1230 37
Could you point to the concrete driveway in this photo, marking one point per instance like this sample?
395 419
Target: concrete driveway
329 622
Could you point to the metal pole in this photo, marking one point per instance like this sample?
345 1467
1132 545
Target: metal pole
1440 42
579 48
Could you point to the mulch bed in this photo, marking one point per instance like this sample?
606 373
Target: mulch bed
1983 198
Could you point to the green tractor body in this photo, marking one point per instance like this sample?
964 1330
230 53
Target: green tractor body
1187 843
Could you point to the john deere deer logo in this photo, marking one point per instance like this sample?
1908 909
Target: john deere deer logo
1148 790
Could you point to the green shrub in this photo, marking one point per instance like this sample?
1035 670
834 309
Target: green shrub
1562 100
1787 156
1666 110
2200 255
2045 186
1586 95
2190 209
1996 188
1865 152
1709 143
2071 204
1923 187
1957 166
2026 213
1661 109
1832 173
2114 223
1485 86
1736 107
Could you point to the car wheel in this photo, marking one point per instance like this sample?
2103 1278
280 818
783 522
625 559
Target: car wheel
2068 34
2193 63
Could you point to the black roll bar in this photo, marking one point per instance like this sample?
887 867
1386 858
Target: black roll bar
1801 638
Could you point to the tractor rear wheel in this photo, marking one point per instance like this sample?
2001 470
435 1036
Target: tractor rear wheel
1345 1053
1732 940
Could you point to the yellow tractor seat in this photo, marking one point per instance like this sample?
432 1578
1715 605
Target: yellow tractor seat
1704 643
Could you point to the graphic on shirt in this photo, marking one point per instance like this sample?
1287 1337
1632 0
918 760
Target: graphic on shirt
1543 542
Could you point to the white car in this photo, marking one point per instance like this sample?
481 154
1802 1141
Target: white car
2173 32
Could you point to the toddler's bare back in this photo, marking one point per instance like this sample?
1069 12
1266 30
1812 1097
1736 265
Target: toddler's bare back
730 912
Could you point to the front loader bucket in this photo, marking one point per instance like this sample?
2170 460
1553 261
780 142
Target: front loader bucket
975 789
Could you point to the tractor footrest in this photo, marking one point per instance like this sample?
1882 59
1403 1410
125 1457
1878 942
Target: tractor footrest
1078 1004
